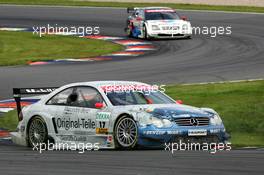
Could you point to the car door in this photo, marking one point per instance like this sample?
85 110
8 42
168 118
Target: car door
77 116
92 112
64 119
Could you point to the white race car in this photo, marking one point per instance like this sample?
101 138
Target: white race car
111 114
157 22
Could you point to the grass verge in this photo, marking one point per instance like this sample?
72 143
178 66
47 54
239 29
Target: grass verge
9 120
123 4
20 47
241 106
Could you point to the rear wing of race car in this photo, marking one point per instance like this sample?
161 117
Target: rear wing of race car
18 92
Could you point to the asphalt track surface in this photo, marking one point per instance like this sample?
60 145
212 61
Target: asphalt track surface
201 59
21 160
239 56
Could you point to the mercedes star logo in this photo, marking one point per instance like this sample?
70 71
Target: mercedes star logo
194 122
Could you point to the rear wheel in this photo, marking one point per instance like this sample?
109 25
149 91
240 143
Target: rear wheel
37 132
126 133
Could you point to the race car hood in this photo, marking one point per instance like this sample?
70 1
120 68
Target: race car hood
167 22
170 111
179 111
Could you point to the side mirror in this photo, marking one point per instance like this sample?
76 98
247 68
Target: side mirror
99 105
184 18
179 102
149 101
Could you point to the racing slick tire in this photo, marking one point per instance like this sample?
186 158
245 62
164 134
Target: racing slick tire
37 132
129 33
125 133
146 36
129 29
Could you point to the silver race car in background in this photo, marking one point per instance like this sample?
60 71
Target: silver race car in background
157 22
113 114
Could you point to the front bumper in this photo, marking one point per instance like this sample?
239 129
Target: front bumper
162 35
151 136
169 34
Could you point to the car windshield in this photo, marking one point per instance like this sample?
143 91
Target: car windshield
137 98
161 15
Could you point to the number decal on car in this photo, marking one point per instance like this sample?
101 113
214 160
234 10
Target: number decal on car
102 122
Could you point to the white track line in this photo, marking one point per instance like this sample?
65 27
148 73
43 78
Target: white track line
221 82
216 11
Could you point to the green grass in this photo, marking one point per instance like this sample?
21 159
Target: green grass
123 4
9 120
20 47
241 106
243 139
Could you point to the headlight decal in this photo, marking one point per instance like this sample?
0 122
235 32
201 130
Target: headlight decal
184 27
155 27
215 120
145 119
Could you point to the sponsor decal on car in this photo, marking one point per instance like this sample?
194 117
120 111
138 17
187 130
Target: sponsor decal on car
103 116
102 122
173 132
73 138
68 123
159 10
197 132
39 90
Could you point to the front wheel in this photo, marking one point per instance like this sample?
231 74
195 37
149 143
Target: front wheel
129 32
146 36
37 132
129 29
126 133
